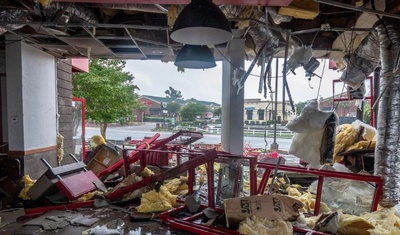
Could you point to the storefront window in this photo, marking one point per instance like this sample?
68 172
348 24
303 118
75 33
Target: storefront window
78 134
249 114
260 114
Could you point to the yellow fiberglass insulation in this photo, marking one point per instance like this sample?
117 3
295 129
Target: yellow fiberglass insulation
177 186
354 225
60 148
97 140
182 189
85 197
28 182
357 135
256 226
308 200
384 220
380 222
346 136
156 201
147 172
363 144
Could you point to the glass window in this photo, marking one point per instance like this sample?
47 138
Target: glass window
260 114
249 114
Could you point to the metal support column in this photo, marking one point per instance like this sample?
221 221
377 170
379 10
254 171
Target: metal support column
232 102
275 145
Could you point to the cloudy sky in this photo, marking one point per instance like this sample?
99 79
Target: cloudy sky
154 78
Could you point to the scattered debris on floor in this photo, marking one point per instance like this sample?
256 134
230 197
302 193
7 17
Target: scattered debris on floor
205 192
10 216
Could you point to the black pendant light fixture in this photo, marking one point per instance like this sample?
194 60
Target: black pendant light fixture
201 23
195 57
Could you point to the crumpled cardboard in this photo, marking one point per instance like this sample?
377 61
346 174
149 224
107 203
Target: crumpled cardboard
272 207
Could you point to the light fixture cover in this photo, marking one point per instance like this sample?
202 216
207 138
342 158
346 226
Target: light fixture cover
195 57
201 23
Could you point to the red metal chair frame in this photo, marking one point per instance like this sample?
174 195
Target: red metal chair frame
321 175
117 165
188 224
201 158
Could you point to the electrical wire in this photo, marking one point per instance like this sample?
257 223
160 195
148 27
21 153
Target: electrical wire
236 67
315 36
341 93
337 12
294 36
320 78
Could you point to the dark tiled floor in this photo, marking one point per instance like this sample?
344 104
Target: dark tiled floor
105 216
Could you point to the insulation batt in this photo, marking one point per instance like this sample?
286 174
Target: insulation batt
28 183
387 159
380 222
156 201
300 56
257 226
357 135
309 130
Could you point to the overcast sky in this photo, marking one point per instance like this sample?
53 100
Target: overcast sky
154 78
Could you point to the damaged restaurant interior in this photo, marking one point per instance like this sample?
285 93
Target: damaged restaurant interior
345 179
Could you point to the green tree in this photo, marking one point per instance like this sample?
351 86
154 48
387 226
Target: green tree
172 93
173 108
367 112
108 91
190 111
344 104
299 107
217 112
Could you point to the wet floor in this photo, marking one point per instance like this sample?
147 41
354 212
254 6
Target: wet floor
98 221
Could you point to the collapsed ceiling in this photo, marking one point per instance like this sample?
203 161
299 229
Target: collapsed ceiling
138 29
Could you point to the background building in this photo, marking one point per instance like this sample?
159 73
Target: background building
156 106
262 111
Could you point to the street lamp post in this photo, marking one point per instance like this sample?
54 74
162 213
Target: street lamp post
164 112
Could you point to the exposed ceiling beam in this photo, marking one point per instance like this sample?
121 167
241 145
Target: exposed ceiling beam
33 43
314 30
361 9
76 25
97 40
185 2
134 41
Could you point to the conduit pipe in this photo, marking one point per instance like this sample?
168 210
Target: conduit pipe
387 158
382 44
363 61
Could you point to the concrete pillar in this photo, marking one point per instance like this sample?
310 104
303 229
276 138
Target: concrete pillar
232 103
3 103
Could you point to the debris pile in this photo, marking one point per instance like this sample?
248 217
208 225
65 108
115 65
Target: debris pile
355 145
207 191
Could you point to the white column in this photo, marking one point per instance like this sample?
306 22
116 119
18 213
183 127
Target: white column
31 97
3 93
232 103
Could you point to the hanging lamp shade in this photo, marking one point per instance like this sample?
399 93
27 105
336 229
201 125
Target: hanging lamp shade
195 57
201 23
